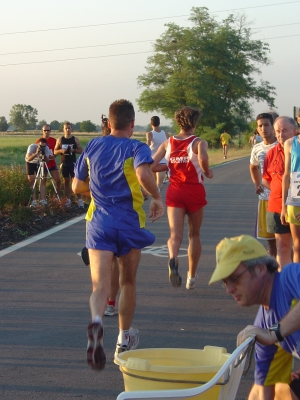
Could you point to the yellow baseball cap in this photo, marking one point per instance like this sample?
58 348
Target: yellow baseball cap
230 252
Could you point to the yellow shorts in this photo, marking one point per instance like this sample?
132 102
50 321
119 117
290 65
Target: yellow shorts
261 224
291 215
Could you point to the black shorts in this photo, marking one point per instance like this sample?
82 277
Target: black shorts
32 168
67 170
274 224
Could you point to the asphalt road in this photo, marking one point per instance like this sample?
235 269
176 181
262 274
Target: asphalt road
45 290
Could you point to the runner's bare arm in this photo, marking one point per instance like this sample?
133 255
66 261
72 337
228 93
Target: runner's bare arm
149 138
160 168
203 159
158 156
147 181
81 187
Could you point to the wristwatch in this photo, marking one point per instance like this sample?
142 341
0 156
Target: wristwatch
276 329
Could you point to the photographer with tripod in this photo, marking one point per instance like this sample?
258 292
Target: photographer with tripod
51 164
36 153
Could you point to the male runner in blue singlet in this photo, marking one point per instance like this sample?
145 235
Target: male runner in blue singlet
112 169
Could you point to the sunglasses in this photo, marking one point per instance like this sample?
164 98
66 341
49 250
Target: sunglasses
46 130
234 281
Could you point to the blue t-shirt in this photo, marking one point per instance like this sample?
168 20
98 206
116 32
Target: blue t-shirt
110 162
285 294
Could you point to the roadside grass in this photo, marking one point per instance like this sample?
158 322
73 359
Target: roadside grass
14 188
234 153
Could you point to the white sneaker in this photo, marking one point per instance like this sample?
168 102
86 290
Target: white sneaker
133 342
33 203
68 203
80 203
43 202
110 310
133 338
191 282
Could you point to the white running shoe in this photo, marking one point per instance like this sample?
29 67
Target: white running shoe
133 342
43 202
110 310
191 282
33 203
80 203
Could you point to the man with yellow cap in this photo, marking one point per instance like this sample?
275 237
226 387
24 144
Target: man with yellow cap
250 275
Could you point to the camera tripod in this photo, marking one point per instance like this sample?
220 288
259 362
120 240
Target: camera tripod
40 175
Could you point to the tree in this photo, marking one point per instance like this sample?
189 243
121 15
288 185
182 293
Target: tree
210 66
76 126
87 126
212 135
138 128
41 124
23 117
55 125
3 124
61 127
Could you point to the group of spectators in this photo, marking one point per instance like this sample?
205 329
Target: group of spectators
41 161
270 279
278 157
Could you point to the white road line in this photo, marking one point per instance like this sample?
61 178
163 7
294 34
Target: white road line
161 251
230 162
40 236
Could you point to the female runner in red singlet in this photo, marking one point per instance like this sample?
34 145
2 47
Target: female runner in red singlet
187 162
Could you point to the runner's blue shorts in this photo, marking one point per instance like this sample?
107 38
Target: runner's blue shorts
119 241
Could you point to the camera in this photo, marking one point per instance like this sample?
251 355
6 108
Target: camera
68 150
41 150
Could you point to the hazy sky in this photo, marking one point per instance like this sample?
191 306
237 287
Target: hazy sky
107 65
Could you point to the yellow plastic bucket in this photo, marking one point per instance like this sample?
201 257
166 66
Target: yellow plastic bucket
165 369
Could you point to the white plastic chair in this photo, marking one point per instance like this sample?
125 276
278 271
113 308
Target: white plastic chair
228 377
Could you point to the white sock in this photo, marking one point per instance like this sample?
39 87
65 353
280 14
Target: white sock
123 338
98 319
